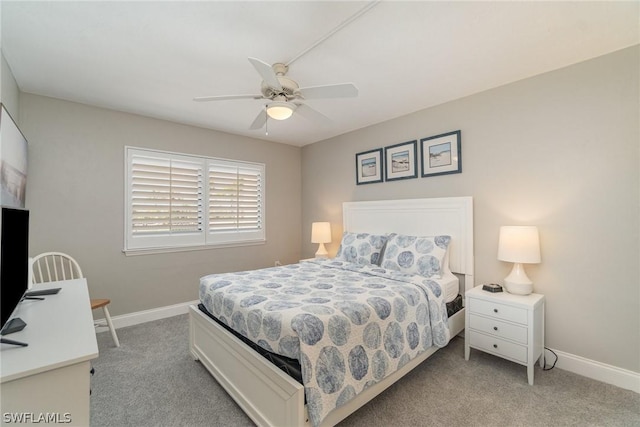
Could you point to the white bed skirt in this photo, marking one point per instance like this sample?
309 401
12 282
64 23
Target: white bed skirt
265 393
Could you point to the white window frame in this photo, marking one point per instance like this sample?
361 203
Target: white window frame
204 238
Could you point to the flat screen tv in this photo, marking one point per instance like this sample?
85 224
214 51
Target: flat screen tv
14 262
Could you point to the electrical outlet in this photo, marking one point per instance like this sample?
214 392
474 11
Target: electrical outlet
278 263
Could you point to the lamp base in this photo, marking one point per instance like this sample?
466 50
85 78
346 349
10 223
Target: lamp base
322 251
517 281
518 288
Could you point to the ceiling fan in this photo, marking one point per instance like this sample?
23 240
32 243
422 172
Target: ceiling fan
284 95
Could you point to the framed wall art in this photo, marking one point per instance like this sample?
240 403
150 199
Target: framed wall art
13 162
441 154
401 161
369 167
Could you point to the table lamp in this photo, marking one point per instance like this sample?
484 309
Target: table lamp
519 245
321 233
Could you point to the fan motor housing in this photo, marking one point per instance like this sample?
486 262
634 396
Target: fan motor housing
289 89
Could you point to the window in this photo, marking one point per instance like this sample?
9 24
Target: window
235 201
182 201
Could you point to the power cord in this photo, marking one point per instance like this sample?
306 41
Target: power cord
554 362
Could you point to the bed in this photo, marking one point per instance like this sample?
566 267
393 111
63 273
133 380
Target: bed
270 396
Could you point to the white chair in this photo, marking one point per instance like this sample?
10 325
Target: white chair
56 266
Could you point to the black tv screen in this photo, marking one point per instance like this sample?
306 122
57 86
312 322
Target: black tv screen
14 260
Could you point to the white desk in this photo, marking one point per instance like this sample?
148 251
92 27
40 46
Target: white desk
51 375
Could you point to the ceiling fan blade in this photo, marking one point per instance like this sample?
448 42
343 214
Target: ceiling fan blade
341 90
259 121
266 71
225 97
311 114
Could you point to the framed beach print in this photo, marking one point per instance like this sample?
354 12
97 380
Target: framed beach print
13 162
401 161
441 154
369 166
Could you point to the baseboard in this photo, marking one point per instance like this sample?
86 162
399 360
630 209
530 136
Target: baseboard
598 371
144 316
569 362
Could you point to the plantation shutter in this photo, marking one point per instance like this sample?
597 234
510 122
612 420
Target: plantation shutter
180 201
235 197
166 196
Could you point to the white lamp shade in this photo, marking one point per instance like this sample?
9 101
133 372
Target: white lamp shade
520 244
321 232
280 110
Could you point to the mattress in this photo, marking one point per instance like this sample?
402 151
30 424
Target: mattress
450 286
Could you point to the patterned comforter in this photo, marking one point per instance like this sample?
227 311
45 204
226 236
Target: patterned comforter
349 325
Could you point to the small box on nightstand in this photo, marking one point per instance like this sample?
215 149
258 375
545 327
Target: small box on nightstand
492 287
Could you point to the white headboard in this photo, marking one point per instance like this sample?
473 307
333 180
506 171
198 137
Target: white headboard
451 216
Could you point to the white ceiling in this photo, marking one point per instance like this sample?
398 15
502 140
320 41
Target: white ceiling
153 57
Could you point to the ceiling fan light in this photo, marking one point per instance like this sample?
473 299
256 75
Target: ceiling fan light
280 110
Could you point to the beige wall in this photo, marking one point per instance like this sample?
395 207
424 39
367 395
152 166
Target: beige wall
8 89
75 193
560 151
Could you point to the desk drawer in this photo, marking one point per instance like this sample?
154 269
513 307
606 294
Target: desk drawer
498 328
498 311
498 346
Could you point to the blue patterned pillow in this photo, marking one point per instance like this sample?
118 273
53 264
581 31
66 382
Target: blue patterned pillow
361 248
416 255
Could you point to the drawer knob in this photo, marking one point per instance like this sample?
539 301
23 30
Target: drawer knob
495 310
495 346
495 328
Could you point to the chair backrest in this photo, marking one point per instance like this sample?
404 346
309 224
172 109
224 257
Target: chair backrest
54 266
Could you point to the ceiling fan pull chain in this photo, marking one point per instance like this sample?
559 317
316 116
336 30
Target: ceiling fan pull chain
266 122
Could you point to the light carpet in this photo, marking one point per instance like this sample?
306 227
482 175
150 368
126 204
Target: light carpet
152 380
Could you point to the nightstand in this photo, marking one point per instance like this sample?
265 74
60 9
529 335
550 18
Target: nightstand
505 325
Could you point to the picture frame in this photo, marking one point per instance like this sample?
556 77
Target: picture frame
441 154
369 167
401 161
13 162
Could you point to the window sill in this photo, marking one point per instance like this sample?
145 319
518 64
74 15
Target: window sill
151 251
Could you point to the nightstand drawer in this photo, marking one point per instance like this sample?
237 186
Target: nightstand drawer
498 328
497 346
498 311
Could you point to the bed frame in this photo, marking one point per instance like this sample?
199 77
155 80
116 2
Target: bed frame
272 398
